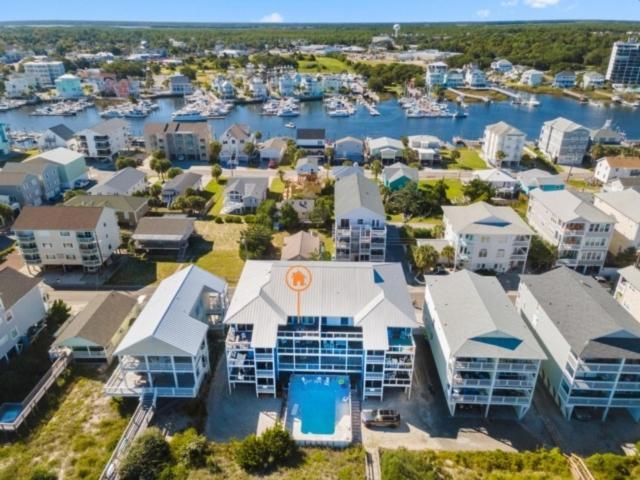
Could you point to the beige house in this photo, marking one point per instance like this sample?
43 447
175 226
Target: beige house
301 246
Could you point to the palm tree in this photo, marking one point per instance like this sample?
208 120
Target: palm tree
216 172
376 168
425 258
449 253
500 156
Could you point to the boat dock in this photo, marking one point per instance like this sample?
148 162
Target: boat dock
469 95
581 98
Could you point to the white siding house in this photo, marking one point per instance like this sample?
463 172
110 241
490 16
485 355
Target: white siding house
165 352
628 290
503 140
610 168
563 141
625 208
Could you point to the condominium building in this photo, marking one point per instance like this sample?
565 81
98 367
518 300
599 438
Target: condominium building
503 145
436 74
628 290
180 84
484 353
625 208
563 141
165 353
69 86
22 188
105 140
67 236
45 172
23 309
360 231
624 63
581 232
592 343
532 78
233 142
179 141
71 165
351 319
44 72
486 237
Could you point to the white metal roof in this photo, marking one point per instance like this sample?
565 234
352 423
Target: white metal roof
375 295
482 218
61 156
569 206
166 326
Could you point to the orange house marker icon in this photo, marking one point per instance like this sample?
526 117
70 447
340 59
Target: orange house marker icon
298 279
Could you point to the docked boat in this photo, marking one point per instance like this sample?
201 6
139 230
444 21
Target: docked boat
290 125
339 112
288 111
189 114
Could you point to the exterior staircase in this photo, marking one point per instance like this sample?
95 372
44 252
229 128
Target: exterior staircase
356 422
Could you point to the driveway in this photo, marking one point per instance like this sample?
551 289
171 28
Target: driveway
237 414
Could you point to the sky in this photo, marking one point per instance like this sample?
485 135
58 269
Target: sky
331 11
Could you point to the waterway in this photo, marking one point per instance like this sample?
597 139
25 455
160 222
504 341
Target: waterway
392 121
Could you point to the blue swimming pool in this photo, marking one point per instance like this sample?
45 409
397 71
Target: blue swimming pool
9 412
318 403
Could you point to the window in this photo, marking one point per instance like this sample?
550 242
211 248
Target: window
67 245
500 253
65 234
482 253
14 333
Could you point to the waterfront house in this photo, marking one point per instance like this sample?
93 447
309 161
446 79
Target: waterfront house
65 236
502 145
564 80
581 232
124 182
532 78
273 149
486 237
46 173
592 80
396 176
475 78
44 72
625 208
20 85
386 149
353 319
165 352
592 343
311 138
179 141
21 187
165 235
485 354
436 74
244 194
57 136
71 165
606 135
5 141
301 246
68 86
94 333
427 147
179 185
348 148
180 84
23 309
105 140
360 232
224 88
129 210
504 184
233 142
563 141
536 178
610 168
628 290
257 89
502 65
286 85
454 78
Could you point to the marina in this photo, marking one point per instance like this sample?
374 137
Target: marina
273 118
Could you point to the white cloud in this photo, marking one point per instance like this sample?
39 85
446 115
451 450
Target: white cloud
541 3
484 13
509 3
274 17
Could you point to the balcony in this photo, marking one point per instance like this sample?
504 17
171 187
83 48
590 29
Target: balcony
471 382
461 398
517 367
264 357
479 366
514 384
374 375
592 384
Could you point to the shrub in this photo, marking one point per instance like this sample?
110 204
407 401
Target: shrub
251 454
404 465
190 449
146 458
41 473
422 233
270 450
249 219
219 220
279 443
233 219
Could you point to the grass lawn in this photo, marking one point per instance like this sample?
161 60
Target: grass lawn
218 253
74 437
454 192
217 189
579 184
324 65
135 271
469 160
277 187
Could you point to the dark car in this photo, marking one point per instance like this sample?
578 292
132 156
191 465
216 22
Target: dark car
381 418
273 164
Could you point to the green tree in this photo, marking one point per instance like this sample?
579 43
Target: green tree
255 242
449 253
160 166
148 455
267 212
597 151
478 191
455 155
188 72
173 172
215 147
440 192
189 448
250 148
124 162
41 473
500 155
216 172
542 255
289 218
322 211
69 194
376 168
257 135
6 213
425 258
271 449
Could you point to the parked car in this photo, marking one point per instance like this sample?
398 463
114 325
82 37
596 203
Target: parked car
83 183
273 163
381 418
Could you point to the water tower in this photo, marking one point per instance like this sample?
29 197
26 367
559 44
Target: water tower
396 30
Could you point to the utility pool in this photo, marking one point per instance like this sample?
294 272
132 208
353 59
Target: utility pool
9 412
319 410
